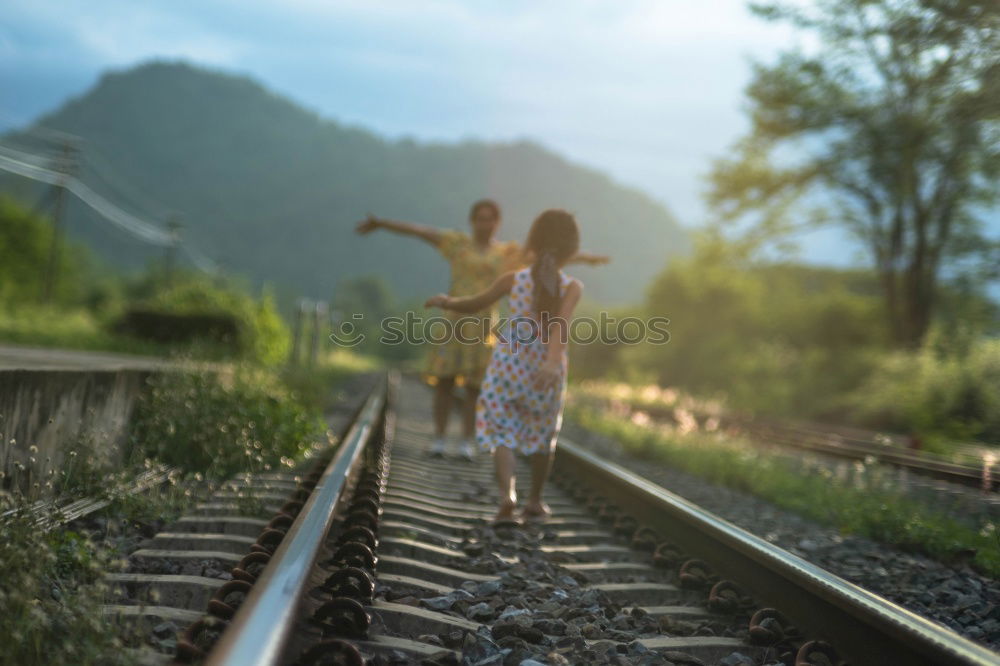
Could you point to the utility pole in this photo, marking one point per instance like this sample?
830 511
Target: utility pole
66 166
174 227
297 331
319 319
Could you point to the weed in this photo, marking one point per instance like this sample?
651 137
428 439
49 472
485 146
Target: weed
51 594
222 424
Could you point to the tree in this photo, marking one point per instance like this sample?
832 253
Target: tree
889 127
368 295
778 338
25 242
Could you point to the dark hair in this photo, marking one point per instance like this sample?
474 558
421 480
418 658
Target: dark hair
485 203
553 239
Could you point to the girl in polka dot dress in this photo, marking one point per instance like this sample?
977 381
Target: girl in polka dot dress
520 402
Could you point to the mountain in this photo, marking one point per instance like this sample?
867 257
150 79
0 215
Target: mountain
272 191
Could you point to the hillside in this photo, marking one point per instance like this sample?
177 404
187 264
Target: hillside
271 191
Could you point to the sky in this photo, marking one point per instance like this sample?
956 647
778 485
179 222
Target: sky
649 91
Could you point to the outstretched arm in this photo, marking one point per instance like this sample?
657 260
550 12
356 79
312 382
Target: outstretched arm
526 257
483 299
558 335
424 233
584 257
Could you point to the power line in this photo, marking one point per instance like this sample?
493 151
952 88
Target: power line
202 262
28 170
104 208
119 217
102 172
27 158
100 166
31 166
97 164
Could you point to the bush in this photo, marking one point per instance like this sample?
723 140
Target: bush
262 334
168 327
777 338
223 424
25 241
50 597
936 391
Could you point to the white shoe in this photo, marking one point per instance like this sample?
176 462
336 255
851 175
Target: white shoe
438 448
467 451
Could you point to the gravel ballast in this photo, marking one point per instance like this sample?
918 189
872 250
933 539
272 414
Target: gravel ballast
951 594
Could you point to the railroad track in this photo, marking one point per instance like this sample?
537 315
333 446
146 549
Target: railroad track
982 476
390 558
171 580
857 445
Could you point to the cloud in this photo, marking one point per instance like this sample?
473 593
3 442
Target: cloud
646 89
116 32
125 40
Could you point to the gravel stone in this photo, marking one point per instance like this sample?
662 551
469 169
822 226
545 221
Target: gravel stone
481 612
939 591
165 630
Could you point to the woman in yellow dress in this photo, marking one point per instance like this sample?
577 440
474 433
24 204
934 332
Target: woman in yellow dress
476 261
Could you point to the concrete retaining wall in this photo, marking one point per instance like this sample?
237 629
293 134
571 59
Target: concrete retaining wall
46 413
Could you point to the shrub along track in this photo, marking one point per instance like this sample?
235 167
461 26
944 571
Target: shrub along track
398 564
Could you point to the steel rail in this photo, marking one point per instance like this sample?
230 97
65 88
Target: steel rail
921 464
262 626
852 447
864 627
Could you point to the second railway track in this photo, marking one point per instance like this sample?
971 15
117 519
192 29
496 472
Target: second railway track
392 560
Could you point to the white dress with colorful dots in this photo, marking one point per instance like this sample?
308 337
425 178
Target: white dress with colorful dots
510 411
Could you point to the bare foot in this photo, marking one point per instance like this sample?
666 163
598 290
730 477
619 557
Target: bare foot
537 510
505 512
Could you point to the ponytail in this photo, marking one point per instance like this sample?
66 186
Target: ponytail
554 238
547 295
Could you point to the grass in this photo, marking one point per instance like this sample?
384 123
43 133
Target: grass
219 424
52 589
40 326
50 598
865 502
82 329
624 398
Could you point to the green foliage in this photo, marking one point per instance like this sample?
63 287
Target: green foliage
221 424
887 126
936 391
274 191
368 295
25 241
866 503
68 328
52 591
779 338
51 595
264 337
